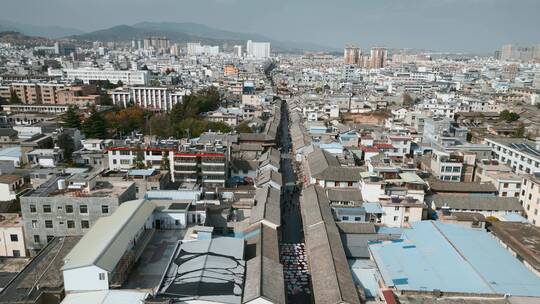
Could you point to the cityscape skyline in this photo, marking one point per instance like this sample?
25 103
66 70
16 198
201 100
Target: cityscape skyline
465 26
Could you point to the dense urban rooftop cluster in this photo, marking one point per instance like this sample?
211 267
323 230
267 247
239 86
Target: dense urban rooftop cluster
157 172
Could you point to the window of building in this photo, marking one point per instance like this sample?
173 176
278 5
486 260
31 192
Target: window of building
46 208
85 224
36 239
33 209
83 209
104 209
504 194
48 224
16 253
50 238
101 276
177 222
125 162
34 224
406 219
345 218
395 218
71 224
357 219
14 237
69 208
396 208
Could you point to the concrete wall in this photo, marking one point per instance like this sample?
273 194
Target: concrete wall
85 279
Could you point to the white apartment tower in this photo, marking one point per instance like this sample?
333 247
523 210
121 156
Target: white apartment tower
258 50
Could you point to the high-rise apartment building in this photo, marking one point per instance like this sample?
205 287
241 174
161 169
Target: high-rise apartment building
156 43
195 48
507 52
258 50
351 55
379 56
237 50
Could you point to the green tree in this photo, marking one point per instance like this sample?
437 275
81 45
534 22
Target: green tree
407 99
520 132
218 127
160 126
66 143
14 98
165 161
119 83
95 126
243 128
71 118
105 99
508 116
139 159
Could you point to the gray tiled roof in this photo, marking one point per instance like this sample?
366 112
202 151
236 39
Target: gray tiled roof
326 166
344 195
266 206
264 273
461 202
330 274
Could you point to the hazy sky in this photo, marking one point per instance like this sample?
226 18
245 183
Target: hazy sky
470 25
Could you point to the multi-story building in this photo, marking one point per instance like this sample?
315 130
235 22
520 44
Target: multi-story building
124 157
400 212
522 155
207 166
11 235
529 198
446 166
65 206
379 56
258 50
88 75
155 98
351 55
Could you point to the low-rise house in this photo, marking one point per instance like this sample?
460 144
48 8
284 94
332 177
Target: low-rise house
325 170
10 186
103 256
487 206
11 235
266 207
401 211
331 277
522 240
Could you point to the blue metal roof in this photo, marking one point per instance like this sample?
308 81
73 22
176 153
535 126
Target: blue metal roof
11 152
513 217
452 258
374 208
141 172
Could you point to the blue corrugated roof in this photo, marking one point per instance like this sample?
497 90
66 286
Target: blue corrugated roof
141 172
513 217
11 152
374 208
452 258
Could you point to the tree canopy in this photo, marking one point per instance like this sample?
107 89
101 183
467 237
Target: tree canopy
95 126
508 116
71 118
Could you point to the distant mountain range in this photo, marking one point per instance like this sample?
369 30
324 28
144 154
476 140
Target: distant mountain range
52 32
191 32
176 32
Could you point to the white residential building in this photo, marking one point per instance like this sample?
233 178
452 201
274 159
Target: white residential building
529 198
93 74
156 98
522 155
258 50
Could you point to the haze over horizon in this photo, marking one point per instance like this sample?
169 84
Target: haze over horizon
444 25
